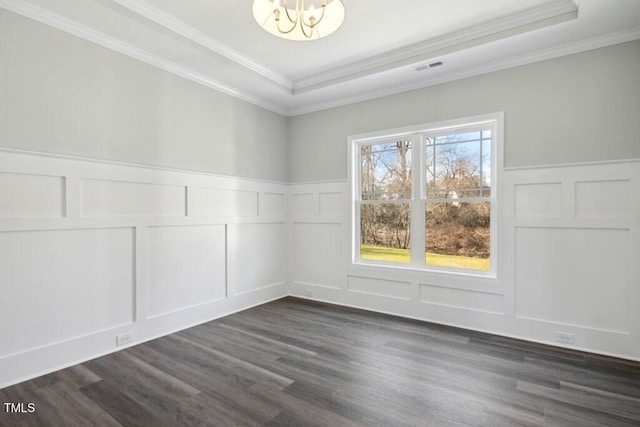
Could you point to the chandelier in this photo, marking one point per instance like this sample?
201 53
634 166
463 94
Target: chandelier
301 23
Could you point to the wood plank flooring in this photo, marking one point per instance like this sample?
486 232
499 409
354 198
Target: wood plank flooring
300 363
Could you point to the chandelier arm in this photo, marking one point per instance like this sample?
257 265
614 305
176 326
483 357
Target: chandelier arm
302 27
324 8
293 27
286 9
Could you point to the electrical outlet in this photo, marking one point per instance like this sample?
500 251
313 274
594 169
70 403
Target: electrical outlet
565 337
124 339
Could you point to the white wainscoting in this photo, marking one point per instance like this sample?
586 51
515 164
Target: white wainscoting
256 256
318 241
569 246
90 250
40 196
58 284
186 266
111 199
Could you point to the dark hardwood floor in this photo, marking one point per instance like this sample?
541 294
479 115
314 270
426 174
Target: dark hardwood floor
294 362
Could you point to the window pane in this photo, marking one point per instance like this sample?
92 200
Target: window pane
453 170
486 167
457 235
384 232
457 137
386 171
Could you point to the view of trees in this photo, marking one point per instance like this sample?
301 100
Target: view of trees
456 167
386 175
458 229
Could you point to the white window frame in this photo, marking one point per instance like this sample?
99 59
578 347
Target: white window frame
419 198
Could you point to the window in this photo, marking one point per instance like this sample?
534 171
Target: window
426 197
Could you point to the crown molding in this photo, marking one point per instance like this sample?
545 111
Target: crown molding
409 53
548 11
61 23
147 11
529 58
546 14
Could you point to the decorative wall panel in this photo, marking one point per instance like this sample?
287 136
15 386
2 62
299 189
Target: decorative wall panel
186 267
31 196
256 256
102 198
63 284
217 202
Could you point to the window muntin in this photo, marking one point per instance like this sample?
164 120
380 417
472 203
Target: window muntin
458 164
415 178
386 170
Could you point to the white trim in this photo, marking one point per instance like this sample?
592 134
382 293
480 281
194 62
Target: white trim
470 328
418 201
378 294
47 352
569 165
137 341
328 181
69 339
132 164
261 288
139 6
525 59
460 307
573 325
61 23
369 65
477 33
315 285
467 301
188 307
159 17
427 127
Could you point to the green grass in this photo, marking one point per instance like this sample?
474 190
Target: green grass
380 253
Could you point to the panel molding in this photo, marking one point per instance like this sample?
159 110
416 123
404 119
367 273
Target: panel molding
260 288
167 191
194 258
101 198
575 326
489 305
32 195
314 285
462 311
379 287
40 271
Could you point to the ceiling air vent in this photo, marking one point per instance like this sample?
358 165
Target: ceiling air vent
428 66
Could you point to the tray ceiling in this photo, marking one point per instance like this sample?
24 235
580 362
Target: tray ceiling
383 47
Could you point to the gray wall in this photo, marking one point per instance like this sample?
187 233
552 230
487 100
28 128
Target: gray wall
61 94
583 107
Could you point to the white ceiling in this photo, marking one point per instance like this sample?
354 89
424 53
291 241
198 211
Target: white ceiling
376 51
